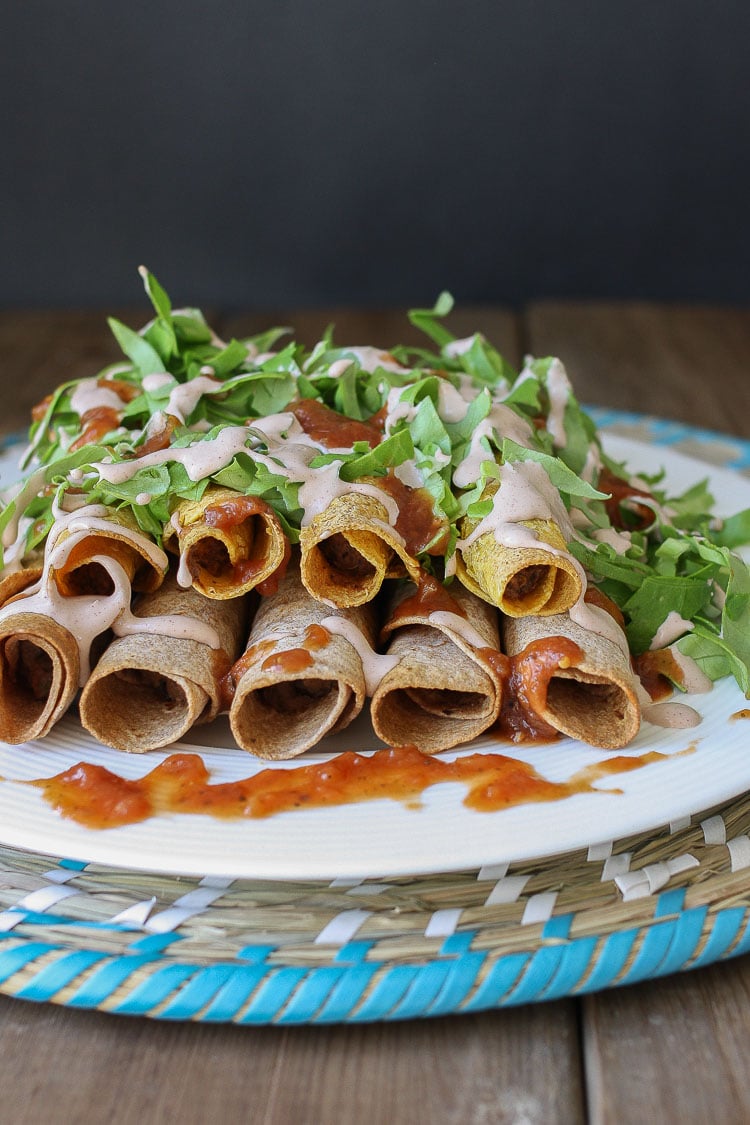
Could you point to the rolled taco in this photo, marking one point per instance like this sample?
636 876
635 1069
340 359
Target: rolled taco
39 664
298 680
229 544
80 540
521 565
163 673
575 675
374 532
445 688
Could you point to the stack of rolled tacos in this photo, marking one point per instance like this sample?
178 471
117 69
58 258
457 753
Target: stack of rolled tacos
280 535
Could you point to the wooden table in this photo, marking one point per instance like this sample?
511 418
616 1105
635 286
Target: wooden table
669 1050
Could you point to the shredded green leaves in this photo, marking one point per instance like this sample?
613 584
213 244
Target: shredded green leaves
440 408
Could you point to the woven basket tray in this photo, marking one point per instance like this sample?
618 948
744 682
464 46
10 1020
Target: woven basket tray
256 952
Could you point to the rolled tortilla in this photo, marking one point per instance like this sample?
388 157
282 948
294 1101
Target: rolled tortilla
523 580
586 687
349 549
445 689
229 544
297 680
154 683
93 532
39 666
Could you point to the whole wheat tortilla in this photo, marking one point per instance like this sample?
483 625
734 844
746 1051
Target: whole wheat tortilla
39 667
225 562
280 709
149 689
349 549
520 581
444 691
594 699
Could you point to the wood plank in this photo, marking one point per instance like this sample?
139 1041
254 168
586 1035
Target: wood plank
518 1065
59 1064
679 362
677 1049
41 349
674 1050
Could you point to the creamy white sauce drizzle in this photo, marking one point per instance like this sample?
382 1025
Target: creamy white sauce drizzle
156 380
338 367
620 541
13 555
178 625
453 402
694 679
87 616
500 423
370 359
455 623
184 398
184 577
273 428
22 497
71 528
672 627
89 395
596 620
201 459
397 411
409 474
559 391
374 665
592 464
323 485
525 493
677 716
458 348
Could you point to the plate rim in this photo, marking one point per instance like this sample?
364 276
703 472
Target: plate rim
146 864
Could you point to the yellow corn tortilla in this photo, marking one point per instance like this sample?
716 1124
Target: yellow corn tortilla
227 562
349 549
124 542
520 581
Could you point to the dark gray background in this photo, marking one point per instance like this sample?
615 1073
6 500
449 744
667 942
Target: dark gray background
307 153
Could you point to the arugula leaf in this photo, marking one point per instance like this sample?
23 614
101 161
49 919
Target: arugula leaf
733 531
427 320
655 599
563 478
136 348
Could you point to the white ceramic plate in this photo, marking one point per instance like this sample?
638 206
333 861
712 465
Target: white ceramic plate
382 838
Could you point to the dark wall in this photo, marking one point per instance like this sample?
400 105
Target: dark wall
308 153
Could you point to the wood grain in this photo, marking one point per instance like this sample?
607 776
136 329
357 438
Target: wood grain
673 1051
506 1067
679 362
41 349
678 1049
